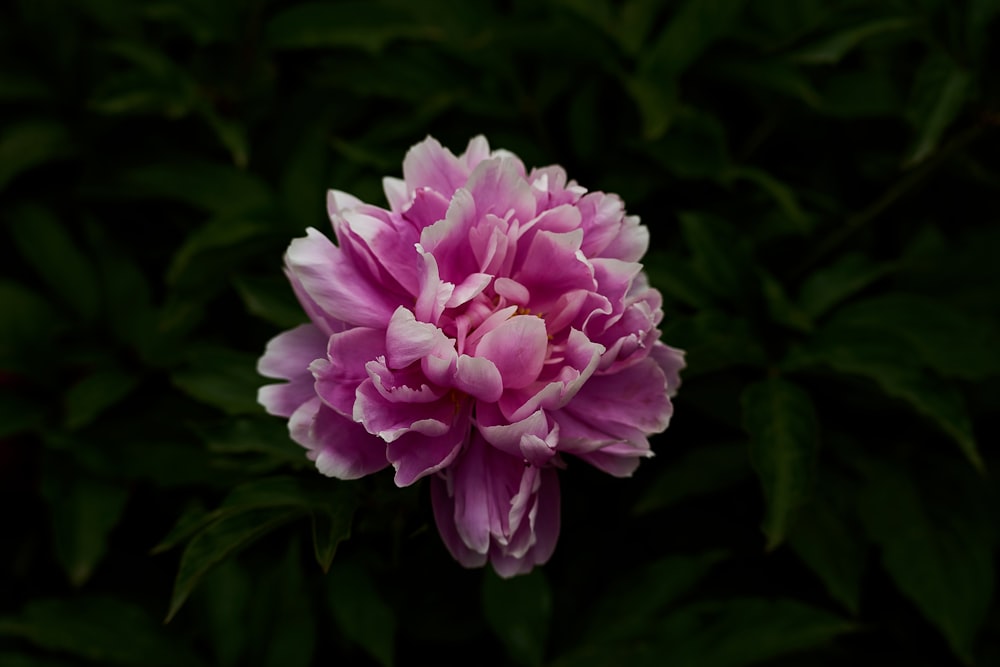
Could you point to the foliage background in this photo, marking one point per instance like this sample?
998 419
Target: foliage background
821 184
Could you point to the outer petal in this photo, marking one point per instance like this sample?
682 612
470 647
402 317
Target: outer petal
415 455
429 164
444 517
343 449
335 285
517 348
288 355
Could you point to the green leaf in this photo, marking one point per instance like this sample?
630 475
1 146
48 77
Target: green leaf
827 287
197 261
893 365
623 615
218 188
780 193
674 276
84 512
780 306
740 632
826 540
361 612
105 631
831 49
704 470
941 89
219 542
220 377
95 393
28 144
943 337
266 437
714 341
656 101
696 26
720 256
940 555
781 421
270 299
519 611
56 257
27 327
357 25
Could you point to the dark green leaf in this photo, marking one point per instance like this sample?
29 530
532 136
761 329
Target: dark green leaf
780 193
694 147
714 341
359 25
656 101
94 394
939 92
740 632
57 259
27 326
218 188
696 26
84 512
706 469
30 144
519 611
780 306
781 421
825 538
720 256
270 299
193 263
829 286
219 542
831 49
939 554
361 612
221 377
103 630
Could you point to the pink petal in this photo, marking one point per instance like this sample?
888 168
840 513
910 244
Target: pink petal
517 348
288 355
444 517
343 449
498 186
429 164
415 455
281 400
478 377
391 420
335 285
407 340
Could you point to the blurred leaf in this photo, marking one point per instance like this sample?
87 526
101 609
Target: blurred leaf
8 659
29 144
270 299
826 541
218 188
831 49
694 147
781 308
95 393
18 412
781 421
674 276
696 25
892 364
739 632
720 256
221 377
939 555
55 255
193 262
642 593
219 542
518 611
939 92
827 287
705 469
359 25
27 326
84 512
361 613
283 617
656 101
154 84
714 341
247 435
865 93
228 594
21 87
771 75
944 338
106 631
780 193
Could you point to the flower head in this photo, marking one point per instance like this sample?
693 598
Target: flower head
488 323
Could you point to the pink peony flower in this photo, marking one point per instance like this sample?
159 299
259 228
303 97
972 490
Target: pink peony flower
491 321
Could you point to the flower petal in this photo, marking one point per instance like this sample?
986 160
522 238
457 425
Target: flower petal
415 455
288 355
343 449
517 348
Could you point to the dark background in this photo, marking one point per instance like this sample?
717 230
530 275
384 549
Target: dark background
821 184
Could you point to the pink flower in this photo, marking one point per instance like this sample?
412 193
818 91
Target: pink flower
491 321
